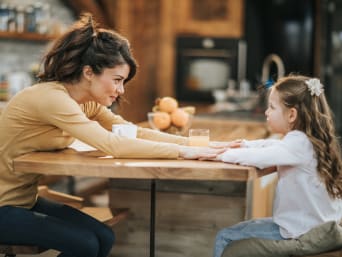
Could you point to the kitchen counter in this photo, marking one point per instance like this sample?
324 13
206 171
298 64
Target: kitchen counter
236 115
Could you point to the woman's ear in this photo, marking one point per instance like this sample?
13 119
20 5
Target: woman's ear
87 72
292 115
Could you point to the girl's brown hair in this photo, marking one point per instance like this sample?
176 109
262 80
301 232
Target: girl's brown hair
86 44
315 119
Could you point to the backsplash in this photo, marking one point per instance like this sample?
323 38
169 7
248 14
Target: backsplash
21 55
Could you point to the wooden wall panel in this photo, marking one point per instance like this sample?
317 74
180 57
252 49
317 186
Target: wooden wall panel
138 21
152 27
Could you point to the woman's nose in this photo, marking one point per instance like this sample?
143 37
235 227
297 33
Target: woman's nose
121 89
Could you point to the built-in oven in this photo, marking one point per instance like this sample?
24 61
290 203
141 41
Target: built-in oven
204 65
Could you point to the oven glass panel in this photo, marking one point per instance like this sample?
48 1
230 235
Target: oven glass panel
202 70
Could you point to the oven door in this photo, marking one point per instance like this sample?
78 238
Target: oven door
201 71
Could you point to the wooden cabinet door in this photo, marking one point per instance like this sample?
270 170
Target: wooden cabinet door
210 18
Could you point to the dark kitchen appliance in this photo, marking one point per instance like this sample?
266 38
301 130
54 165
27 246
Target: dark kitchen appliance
282 27
203 65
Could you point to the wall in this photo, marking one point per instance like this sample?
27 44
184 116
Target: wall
19 55
152 27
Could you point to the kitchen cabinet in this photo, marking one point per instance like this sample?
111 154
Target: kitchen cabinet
200 17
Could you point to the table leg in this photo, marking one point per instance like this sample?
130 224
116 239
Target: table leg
71 185
152 217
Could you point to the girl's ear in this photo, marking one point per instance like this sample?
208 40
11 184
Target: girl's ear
87 72
292 115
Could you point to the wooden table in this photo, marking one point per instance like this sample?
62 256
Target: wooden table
97 164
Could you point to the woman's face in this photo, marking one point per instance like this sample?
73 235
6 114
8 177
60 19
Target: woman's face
106 87
277 115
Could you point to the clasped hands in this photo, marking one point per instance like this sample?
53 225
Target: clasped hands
212 152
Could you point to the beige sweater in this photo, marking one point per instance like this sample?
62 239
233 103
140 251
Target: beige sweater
44 117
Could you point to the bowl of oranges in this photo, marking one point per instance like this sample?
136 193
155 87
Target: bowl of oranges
168 117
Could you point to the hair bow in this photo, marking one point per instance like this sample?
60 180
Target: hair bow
315 87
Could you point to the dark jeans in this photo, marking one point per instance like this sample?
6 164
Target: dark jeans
56 226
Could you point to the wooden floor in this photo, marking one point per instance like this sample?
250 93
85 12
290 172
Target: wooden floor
187 229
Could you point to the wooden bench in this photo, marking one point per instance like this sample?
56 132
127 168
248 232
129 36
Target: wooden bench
103 214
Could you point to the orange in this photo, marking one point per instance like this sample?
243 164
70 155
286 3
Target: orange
179 117
168 104
161 120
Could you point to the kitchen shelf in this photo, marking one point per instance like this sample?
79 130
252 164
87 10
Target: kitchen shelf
29 36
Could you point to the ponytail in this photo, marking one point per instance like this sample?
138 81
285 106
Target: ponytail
86 44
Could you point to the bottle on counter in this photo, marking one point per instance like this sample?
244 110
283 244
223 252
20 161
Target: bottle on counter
245 88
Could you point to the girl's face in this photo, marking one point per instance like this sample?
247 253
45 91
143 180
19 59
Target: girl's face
279 118
106 87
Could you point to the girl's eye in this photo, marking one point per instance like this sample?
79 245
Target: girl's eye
117 81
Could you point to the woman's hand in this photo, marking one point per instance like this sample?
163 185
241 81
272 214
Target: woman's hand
231 144
201 153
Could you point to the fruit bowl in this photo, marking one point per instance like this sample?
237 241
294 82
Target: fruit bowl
165 122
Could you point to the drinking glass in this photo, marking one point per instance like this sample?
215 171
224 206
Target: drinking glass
199 137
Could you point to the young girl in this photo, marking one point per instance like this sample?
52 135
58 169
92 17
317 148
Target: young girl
84 72
308 160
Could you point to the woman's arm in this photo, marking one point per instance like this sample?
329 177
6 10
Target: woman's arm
106 118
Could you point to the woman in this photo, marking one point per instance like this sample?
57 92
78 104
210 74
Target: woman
85 71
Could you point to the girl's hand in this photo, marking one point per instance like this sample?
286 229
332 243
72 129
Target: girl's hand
201 153
232 144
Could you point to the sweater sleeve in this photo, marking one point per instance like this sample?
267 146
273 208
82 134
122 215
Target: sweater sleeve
63 112
102 115
262 154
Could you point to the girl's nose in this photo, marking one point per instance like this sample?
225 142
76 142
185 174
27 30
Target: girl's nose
266 111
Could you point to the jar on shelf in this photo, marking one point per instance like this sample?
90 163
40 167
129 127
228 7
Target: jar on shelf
11 23
4 89
30 20
4 16
20 18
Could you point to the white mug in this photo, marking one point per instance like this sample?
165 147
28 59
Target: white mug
125 130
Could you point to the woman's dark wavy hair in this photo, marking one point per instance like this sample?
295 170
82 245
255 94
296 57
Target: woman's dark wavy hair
315 119
86 44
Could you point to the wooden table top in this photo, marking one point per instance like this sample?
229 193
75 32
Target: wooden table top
97 164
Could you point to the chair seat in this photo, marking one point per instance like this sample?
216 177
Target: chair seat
21 249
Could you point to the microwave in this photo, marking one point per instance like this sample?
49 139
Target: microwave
203 65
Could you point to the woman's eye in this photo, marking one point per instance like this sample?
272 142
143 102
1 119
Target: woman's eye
117 81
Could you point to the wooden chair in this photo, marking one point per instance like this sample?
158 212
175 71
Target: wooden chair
103 214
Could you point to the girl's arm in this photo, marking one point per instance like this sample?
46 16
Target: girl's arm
262 154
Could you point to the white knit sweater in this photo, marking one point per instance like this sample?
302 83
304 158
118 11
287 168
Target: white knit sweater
301 200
